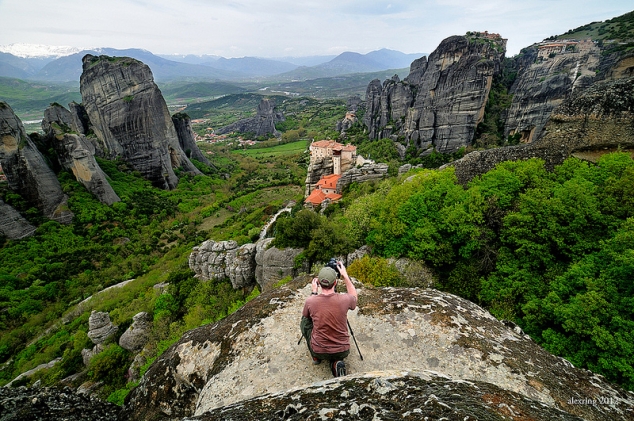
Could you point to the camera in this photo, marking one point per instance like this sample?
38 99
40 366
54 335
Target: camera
332 263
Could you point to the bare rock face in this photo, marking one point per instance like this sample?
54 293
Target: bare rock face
244 265
391 395
263 124
543 86
100 327
76 153
224 259
136 336
442 100
26 170
587 124
88 353
12 224
183 125
317 168
131 119
454 345
366 172
275 265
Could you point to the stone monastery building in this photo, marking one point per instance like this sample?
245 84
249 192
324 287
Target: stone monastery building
343 158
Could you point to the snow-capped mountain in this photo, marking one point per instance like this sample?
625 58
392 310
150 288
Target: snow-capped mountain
38 50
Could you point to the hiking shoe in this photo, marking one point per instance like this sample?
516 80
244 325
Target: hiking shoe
338 368
316 361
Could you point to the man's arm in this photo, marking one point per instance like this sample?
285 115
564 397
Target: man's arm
350 289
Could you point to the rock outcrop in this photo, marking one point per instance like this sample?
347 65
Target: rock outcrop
100 328
130 118
472 357
443 98
263 124
12 224
76 153
137 335
244 265
183 125
589 123
48 404
543 86
366 172
27 171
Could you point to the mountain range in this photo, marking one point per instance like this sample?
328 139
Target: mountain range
50 66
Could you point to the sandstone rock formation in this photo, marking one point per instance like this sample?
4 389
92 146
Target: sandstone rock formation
131 119
183 125
474 357
137 335
391 395
76 153
544 84
592 122
274 264
442 100
263 124
243 265
27 171
12 224
366 172
100 328
317 168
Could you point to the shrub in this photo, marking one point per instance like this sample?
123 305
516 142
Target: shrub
375 271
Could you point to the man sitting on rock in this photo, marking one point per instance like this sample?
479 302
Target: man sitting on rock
324 322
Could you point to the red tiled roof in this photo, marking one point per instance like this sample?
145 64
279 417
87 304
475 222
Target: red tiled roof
333 196
315 197
350 148
328 181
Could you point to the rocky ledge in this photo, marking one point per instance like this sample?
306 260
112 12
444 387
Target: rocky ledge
254 354
48 404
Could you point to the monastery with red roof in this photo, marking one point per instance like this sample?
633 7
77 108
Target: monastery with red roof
343 158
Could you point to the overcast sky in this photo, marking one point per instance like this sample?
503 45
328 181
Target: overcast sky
275 28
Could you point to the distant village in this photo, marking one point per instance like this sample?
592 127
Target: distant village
211 137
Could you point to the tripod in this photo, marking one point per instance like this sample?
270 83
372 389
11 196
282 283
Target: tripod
351 333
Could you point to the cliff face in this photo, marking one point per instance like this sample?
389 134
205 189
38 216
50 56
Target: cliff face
442 100
27 172
75 153
12 224
587 124
263 124
131 119
231 364
183 126
544 84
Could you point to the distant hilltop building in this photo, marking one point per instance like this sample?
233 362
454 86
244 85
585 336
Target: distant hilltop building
546 49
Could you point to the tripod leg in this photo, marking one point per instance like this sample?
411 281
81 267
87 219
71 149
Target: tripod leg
355 340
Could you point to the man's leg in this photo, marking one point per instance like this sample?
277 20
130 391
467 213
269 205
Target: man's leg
306 326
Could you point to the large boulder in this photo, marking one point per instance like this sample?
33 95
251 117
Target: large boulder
76 153
474 358
275 264
137 335
131 119
100 328
27 171
224 259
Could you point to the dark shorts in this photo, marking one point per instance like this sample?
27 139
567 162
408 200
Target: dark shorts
306 326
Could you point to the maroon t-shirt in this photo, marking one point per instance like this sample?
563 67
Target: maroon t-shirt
329 314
